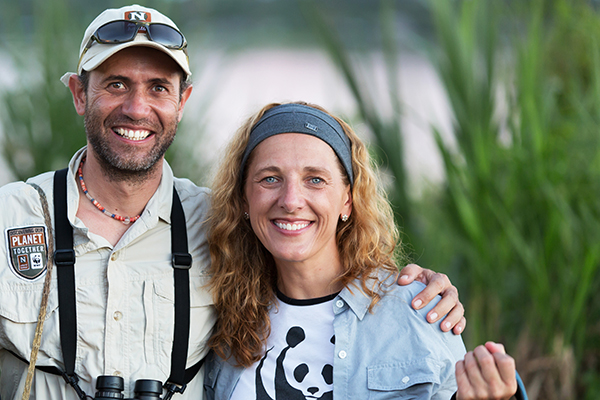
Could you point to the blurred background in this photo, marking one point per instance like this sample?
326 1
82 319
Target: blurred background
483 116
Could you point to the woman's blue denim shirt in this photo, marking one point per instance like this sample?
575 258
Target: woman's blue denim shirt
391 353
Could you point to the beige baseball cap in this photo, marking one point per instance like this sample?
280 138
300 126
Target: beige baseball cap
92 53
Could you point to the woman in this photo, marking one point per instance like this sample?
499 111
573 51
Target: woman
305 287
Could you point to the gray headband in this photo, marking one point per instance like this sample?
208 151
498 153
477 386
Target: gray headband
297 118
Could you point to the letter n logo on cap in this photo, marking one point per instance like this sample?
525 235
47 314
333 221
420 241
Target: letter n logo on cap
138 16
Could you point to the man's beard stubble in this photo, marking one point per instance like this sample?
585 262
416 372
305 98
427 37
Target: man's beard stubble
118 167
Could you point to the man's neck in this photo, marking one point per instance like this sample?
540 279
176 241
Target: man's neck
125 197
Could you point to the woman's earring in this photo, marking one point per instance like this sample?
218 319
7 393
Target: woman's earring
344 218
246 216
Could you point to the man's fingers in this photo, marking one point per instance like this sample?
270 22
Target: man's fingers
448 303
460 327
409 273
454 317
438 283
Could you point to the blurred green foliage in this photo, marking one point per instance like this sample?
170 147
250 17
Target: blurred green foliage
520 205
517 222
41 129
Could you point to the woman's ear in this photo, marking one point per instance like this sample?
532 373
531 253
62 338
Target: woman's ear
347 209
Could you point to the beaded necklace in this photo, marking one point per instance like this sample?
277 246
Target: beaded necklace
125 220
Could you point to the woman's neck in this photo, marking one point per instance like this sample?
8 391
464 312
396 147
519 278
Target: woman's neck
304 281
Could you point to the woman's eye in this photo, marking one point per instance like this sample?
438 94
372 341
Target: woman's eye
316 181
270 179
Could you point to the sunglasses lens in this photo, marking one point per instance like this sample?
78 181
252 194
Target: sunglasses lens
166 35
117 32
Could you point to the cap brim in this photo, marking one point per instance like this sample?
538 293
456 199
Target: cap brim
98 53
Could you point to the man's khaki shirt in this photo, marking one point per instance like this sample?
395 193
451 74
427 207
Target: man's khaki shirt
125 293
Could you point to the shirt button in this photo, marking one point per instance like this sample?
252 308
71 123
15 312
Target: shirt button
342 354
405 379
114 257
117 373
117 315
339 304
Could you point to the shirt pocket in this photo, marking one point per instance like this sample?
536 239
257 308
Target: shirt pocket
19 310
415 379
202 318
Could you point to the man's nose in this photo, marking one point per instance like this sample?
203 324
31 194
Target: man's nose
136 105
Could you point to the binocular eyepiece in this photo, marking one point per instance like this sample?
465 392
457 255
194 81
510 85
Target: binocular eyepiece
111 388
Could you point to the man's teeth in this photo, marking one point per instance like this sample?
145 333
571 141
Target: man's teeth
132 135
291 227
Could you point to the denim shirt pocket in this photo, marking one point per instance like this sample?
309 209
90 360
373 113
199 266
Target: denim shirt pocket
404 380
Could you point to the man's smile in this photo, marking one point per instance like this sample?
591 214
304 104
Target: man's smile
132 134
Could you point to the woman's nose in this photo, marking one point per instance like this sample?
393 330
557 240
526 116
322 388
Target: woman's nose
291 197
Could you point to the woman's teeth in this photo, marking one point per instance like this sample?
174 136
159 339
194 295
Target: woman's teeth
291 227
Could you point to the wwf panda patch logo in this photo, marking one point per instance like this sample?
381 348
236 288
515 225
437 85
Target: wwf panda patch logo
300 382
27 251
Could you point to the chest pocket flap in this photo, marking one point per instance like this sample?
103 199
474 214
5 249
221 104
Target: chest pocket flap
21 301
399 376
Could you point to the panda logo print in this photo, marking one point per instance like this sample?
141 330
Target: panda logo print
296 380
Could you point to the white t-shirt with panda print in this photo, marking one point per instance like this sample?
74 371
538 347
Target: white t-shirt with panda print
298 364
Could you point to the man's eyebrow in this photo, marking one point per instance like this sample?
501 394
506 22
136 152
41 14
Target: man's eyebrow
123 78
116 78
162 81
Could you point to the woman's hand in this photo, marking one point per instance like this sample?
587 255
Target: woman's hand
486 373
437 283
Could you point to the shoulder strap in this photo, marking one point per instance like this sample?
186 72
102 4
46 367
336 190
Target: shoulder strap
64 258
182 262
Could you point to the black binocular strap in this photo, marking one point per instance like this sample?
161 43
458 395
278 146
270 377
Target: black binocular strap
64 258
182 262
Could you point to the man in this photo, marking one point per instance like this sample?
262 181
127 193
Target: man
131 87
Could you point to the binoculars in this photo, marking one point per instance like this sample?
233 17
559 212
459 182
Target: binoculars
111 388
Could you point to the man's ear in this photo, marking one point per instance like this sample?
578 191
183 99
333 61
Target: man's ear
184 98
78 92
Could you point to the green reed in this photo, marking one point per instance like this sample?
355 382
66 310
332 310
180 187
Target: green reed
521 198
41 128
516 222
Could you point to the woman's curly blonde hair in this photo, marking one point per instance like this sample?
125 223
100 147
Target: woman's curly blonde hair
244 277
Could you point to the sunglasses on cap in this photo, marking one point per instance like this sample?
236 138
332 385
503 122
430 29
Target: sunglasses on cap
123 31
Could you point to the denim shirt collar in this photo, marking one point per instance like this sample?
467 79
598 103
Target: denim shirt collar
355 297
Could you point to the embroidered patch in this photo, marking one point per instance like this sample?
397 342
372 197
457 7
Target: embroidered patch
27 251
138 16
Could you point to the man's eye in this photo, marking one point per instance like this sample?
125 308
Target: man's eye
117 85
160 89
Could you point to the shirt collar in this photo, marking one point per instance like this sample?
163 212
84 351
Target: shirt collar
357 300
159 204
